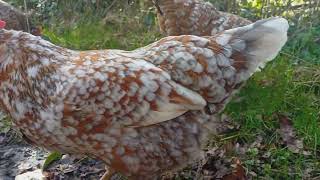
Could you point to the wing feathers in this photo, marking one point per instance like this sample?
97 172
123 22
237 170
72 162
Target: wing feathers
180 101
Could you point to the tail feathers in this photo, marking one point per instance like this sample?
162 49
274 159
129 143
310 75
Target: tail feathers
256 44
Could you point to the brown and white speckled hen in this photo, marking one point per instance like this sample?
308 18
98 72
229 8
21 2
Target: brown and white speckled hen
194 17
141 112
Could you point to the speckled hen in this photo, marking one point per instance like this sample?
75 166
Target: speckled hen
141 112
194 17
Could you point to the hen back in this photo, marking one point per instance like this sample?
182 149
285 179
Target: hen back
139 111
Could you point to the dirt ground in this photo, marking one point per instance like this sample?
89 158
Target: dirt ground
18 160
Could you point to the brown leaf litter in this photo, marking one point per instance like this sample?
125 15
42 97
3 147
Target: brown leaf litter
289 136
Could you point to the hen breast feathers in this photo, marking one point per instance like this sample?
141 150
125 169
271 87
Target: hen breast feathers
126 107
196 17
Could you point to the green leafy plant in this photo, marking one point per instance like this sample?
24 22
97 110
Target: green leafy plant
54 156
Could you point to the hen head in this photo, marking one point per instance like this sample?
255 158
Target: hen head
2 24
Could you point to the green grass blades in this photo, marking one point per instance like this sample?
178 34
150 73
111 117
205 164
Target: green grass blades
283 88
280 88
97 35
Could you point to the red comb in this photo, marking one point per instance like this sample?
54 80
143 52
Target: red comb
2 24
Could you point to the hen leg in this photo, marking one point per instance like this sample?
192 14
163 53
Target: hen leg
108 174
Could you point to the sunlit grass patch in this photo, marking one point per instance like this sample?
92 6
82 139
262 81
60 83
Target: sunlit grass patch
97 35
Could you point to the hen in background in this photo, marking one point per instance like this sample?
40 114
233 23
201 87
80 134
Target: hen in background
14 18
140 111
196 17
17 20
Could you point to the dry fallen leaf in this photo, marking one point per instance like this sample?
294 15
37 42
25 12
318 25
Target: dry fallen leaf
238 173
288 134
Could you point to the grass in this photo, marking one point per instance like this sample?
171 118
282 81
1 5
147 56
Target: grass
280 88
127 35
